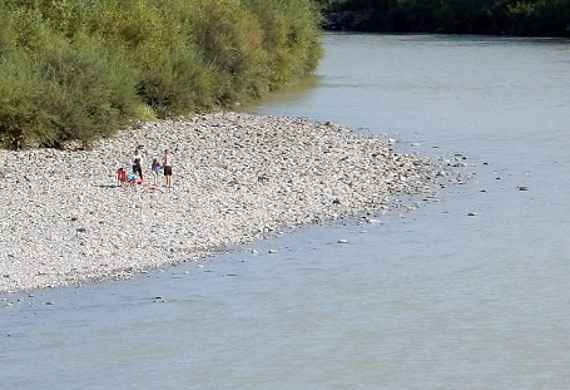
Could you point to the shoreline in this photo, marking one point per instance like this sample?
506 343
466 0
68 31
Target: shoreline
237 178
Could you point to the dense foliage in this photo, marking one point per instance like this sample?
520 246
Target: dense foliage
76 69
514 17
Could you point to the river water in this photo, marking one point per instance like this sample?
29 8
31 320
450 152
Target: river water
429 300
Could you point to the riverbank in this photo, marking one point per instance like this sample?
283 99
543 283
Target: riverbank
237 177
487 17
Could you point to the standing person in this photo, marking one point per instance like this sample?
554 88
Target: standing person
155 170
137 163
167 166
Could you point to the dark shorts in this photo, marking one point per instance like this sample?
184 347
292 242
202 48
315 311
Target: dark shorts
138 169
167 171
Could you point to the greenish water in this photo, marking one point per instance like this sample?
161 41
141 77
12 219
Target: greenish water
428 300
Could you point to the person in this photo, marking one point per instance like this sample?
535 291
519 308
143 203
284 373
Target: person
137 163
132 179
167 166
121 176
155 167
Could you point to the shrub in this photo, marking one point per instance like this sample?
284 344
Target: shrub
63 92
290 38
75 69
87 94
176 82
21 119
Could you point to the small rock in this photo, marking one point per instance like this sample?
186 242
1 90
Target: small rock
272 251
472 214
81 230
342 241
522 188
49 303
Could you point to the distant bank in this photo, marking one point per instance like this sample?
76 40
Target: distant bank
500 17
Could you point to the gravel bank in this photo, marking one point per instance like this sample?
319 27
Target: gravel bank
236 178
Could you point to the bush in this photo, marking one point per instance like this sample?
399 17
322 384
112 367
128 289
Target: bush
71 69
64 92
291 38
87 94
21 119
176 82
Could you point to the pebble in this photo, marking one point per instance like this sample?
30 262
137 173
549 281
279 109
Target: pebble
472 214
342 241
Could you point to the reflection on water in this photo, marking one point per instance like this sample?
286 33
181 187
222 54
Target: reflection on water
434 300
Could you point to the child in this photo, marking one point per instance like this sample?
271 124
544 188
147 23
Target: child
132 178
155 167
121 176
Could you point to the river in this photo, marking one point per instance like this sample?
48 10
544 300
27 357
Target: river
432 299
